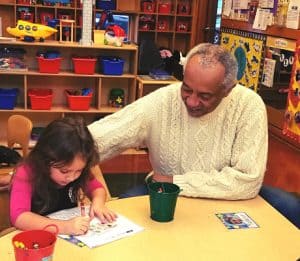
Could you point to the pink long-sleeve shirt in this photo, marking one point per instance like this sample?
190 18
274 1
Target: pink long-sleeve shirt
22 189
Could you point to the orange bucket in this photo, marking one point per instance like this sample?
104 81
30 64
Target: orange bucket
34 245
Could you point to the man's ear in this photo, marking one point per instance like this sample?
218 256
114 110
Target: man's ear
227 90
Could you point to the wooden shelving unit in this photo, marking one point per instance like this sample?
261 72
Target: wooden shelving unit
172 38
173 30
66 79
9 11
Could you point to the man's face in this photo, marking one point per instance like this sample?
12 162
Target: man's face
202 89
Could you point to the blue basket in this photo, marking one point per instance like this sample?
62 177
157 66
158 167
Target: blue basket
8 98
112 65
106 4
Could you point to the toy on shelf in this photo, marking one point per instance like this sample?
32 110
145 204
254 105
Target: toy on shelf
148 6
66 28
116 98
28 31
114 35
183 7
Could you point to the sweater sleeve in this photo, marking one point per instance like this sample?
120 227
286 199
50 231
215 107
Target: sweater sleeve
124 129
243 177
20 194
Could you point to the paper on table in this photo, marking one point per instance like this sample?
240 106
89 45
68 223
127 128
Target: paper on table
98 233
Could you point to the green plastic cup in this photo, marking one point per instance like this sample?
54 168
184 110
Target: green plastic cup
163 198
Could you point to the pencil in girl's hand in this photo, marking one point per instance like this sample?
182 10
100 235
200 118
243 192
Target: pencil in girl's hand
82 209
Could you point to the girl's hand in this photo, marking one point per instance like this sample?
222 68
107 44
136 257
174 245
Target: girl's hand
103 213
77 225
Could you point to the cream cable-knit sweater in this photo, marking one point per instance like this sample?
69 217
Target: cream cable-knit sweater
219 155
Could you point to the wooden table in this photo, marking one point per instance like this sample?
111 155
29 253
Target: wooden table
195 234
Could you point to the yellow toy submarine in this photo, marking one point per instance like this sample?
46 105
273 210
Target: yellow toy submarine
28 31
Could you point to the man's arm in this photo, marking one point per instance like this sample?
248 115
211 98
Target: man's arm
124 129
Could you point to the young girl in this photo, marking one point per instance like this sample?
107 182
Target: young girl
50 177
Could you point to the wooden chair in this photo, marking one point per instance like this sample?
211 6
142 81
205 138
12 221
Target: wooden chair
19 131
5 226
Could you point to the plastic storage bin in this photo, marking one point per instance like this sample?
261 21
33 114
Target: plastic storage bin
78 102
112 65
49 65
84 65
8 98
106 4
40 99
164 8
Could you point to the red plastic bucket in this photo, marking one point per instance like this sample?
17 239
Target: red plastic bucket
34 245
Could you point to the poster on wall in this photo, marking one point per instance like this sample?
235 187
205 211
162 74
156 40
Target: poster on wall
291 126
247 49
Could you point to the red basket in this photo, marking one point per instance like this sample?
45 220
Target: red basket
49 65
148 7
79 102
84 65
164 8
40 99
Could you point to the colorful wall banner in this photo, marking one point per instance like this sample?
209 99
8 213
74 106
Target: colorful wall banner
248 49
291 126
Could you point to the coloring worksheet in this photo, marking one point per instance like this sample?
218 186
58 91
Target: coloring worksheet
98 233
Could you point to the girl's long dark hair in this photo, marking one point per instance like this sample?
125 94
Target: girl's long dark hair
59 143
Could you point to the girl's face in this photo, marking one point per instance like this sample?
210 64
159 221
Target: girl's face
65 174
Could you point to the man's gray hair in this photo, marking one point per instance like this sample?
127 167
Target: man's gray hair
210 54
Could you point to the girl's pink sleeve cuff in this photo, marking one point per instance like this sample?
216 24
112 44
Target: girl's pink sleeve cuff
91 185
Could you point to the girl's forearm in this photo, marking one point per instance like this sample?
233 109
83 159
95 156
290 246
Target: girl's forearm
98 196
30 220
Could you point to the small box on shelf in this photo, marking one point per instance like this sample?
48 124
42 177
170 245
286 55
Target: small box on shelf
78 102
182 26
45 17
162 25
106 4
8 98
117 98
148 6
164 7
24 2
49 65
112 65
40 99
84 65
184 8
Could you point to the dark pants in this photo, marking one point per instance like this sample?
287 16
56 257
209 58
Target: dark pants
286 203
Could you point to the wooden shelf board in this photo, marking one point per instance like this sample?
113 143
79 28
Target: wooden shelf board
271 30
62 109
52 43
64 74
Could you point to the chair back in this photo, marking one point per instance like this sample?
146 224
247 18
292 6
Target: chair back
18 132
